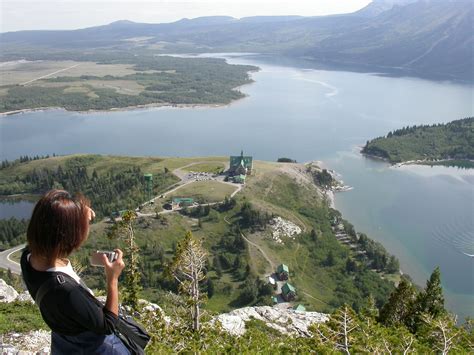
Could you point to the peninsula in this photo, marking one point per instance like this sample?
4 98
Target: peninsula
439 144
119 82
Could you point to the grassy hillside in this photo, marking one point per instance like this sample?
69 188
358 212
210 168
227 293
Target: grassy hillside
449 144
235 233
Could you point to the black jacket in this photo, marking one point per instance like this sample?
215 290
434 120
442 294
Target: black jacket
67 309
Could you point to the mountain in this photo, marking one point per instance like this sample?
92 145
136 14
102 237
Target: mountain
426 38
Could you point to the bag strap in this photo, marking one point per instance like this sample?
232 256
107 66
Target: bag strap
62 279
47 286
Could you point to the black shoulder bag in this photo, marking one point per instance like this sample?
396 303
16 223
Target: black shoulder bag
133 335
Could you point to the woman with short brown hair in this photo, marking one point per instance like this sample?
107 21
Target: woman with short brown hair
80 323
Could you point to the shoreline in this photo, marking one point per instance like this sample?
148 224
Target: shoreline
119 109
418 161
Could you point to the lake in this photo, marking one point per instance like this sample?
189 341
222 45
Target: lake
423 215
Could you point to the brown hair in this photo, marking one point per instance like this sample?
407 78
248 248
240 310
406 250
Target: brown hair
59 224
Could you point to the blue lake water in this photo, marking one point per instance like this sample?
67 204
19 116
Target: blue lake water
423 215
15 208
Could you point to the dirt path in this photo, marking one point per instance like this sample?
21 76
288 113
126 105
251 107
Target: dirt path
265 256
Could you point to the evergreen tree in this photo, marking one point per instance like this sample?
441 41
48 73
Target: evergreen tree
399 305
432 300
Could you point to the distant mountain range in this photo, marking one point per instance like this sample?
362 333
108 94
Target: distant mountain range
426 38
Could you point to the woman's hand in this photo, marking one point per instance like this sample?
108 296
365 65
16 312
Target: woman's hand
112 273
113 269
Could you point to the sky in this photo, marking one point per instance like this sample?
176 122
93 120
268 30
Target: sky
19 15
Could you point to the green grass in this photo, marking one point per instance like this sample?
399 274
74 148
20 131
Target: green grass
20 317
206 191
206 167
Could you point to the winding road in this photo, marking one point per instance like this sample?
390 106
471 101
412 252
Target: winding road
7 263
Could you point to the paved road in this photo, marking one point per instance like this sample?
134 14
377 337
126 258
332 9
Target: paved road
7 263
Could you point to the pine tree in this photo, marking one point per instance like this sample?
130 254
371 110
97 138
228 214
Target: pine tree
432 299
399 305
429 302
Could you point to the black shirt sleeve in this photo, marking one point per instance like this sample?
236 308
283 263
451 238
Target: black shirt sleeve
84 310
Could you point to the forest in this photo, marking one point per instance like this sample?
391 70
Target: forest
111 191
447 143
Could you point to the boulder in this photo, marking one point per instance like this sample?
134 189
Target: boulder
7 293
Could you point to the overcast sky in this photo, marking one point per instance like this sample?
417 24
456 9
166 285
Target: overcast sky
71 14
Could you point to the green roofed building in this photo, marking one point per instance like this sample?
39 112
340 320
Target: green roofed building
240 164
283 272
181 202
288 292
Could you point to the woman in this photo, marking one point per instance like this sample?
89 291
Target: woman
80 324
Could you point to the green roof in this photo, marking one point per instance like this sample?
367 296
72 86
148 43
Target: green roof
300 308
287 288
274 299
183 199
236 160
282 268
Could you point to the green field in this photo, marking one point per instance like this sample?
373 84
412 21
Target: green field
205 191
206 167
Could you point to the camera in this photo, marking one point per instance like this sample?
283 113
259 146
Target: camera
96 258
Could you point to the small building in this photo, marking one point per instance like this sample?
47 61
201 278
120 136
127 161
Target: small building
275 299
283 272
288 292
300 308
240 164
177 202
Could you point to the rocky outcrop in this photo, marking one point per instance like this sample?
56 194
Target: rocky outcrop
287 321
282 228
7 293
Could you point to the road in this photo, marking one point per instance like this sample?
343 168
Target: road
7 263
48 75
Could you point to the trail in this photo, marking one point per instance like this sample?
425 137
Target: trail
265 256
47 75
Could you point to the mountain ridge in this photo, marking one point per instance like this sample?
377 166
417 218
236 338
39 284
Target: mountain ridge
424 38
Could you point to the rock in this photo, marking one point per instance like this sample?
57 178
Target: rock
283 228
286 321
25 297
33 342
7 293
